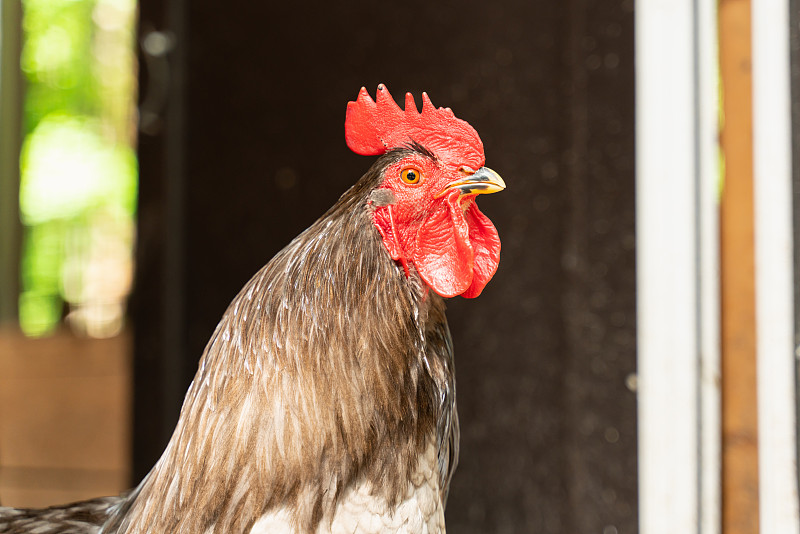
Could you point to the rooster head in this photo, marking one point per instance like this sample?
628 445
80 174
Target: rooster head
425 207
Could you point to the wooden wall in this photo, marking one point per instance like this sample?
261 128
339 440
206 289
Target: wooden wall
65 418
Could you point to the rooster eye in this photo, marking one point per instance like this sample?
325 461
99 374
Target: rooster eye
411 175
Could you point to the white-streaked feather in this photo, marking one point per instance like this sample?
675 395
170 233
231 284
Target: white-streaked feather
359 511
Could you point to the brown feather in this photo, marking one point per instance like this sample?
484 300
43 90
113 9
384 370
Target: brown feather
330 368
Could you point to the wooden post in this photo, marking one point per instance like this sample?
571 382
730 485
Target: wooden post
740 512
10 133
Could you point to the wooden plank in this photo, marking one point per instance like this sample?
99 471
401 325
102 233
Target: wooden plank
65 417
737 270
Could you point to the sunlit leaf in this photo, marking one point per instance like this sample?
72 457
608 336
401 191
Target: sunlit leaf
78 164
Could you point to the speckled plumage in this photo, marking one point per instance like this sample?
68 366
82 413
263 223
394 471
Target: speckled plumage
84 517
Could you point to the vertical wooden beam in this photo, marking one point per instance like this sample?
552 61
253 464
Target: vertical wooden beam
740 509
10 134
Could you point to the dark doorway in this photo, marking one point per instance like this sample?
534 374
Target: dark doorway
249 150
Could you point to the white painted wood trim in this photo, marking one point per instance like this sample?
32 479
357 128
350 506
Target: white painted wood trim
677 181
708 114
666 255
777 382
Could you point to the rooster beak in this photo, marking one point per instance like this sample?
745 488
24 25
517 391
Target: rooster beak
480 182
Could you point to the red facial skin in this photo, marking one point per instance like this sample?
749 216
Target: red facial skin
453 246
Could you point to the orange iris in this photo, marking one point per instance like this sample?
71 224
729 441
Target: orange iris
411 176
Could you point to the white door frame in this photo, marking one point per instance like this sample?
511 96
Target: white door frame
772 162
677 181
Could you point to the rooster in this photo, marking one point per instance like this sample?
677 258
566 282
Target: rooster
325 400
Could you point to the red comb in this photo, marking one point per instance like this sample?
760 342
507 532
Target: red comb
375 127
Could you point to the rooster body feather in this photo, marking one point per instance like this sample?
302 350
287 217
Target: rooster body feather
325 400
85 517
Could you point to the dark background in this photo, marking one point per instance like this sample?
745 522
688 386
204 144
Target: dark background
249 150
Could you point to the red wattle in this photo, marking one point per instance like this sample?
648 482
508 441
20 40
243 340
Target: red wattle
486 243
456 252
442 253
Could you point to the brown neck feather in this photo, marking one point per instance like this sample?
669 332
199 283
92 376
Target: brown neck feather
315 378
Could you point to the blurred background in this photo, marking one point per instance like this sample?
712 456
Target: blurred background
155 154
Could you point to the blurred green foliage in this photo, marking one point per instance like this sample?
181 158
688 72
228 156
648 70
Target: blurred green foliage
78 164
